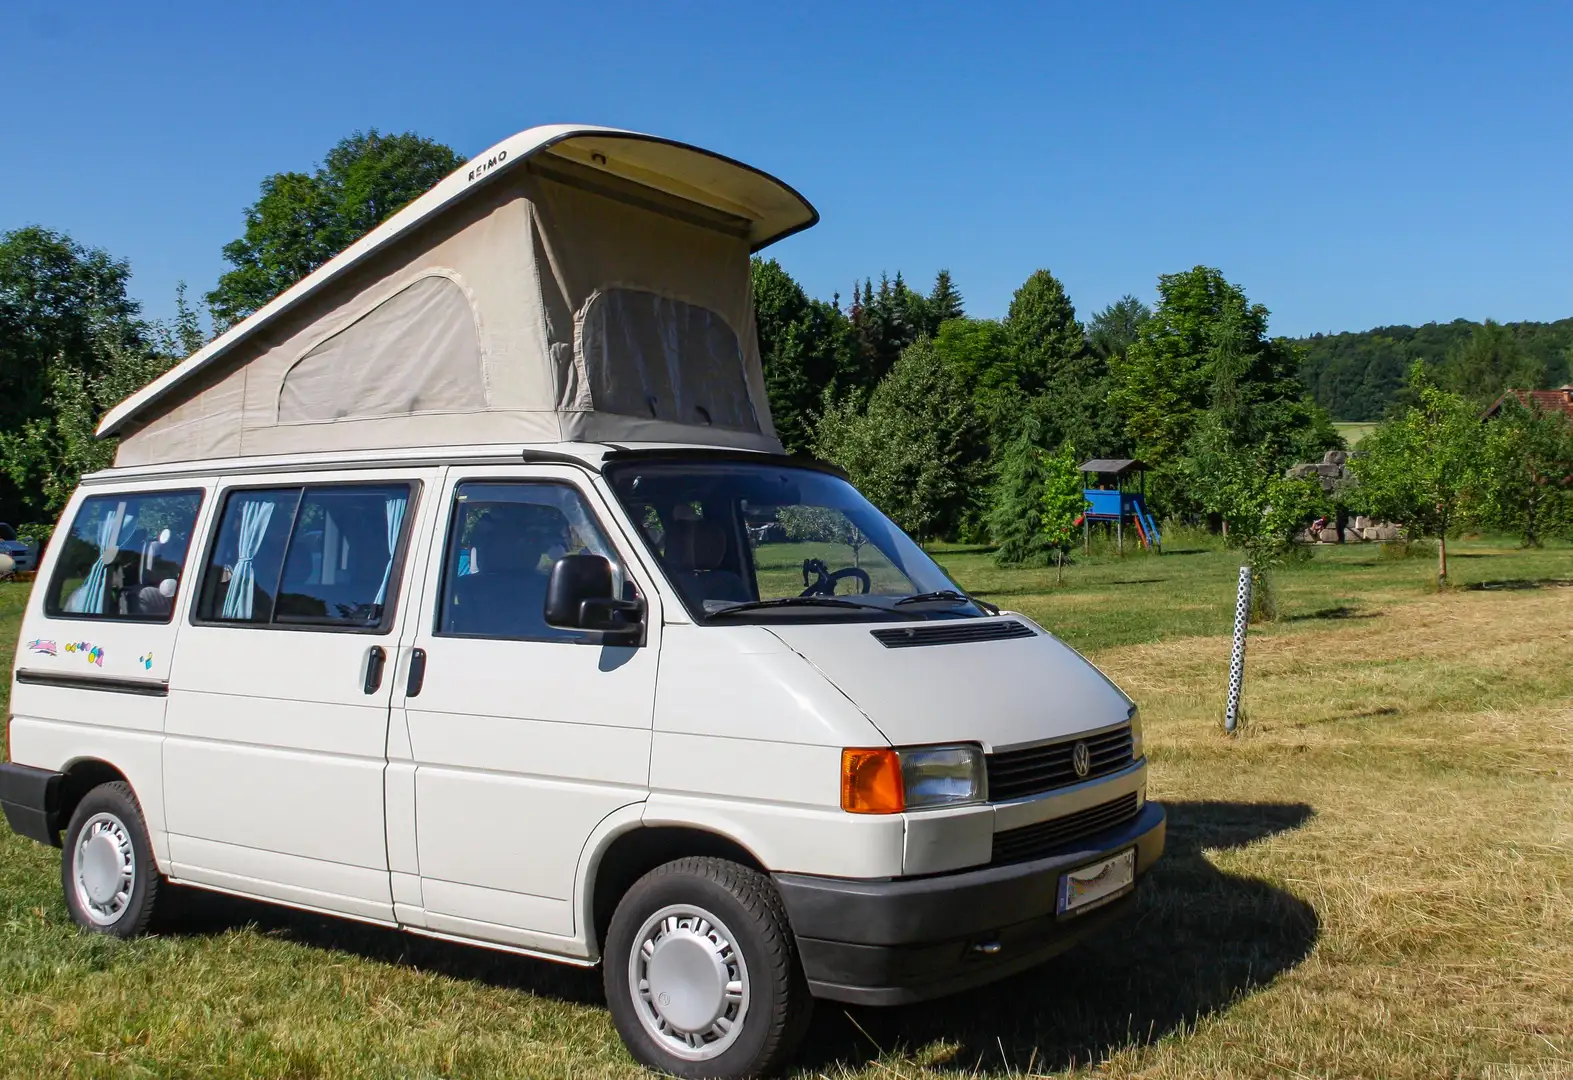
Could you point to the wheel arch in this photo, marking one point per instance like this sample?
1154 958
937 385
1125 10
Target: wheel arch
80 777
626 855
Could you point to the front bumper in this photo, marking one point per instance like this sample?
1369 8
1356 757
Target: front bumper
30 799
899 941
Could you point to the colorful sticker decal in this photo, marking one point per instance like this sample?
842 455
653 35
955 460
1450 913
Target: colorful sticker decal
93 653
146 660
41 645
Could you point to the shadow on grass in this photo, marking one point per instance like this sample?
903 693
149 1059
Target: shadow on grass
1342 611
1199 941
1520 583
203 913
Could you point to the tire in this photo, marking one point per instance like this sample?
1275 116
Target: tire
111 883
720 945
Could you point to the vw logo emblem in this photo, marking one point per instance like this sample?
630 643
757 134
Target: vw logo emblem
1081 760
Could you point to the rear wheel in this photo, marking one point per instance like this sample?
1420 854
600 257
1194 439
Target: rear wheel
702 974
111 883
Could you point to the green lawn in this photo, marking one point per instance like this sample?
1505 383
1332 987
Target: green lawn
1374 880
1353 431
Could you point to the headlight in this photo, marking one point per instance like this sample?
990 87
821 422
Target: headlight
1136 732
888 781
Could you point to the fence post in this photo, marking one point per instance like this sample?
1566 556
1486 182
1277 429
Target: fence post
1242 617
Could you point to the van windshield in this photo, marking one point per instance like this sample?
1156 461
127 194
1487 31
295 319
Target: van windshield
743 541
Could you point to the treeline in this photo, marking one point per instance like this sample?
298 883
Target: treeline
957 427
1362 376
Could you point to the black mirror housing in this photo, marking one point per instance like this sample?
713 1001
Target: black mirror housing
579 596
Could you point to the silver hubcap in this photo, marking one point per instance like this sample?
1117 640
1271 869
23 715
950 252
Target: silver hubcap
688 982
106 868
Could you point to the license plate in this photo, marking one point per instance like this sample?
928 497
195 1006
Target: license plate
1091 885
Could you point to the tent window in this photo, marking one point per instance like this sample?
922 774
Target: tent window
651 356
416 352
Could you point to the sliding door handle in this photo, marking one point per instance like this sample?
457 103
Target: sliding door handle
375 661
417 678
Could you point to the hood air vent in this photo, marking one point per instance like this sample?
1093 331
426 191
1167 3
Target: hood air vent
952 633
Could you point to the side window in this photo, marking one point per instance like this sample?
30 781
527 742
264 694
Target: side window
241 581
339 569
316 556
123 557
502 541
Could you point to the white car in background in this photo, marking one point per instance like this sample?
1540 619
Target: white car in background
22 553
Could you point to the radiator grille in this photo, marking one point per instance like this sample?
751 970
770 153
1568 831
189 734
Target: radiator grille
1037 841
952 633
1015 774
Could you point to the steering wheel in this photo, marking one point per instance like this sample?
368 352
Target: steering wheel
820 580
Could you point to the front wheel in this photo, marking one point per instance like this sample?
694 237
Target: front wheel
106 867
701 970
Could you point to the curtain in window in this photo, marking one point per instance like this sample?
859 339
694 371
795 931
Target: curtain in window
88 599
238 599
394 508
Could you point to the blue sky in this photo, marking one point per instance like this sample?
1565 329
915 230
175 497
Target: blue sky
1349 165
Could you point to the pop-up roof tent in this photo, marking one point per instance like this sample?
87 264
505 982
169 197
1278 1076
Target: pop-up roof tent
569 284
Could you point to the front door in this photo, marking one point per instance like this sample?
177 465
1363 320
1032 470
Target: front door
522 737
276 732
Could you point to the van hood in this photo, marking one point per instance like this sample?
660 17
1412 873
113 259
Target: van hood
1002 692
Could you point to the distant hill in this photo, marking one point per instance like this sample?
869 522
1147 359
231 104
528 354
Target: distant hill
1356 376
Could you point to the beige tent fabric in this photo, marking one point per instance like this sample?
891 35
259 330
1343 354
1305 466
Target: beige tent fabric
418 351
471 328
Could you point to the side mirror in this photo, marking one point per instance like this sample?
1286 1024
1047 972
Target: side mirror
579 597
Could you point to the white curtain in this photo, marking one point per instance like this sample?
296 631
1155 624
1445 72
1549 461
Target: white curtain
394 508
254 518
88 599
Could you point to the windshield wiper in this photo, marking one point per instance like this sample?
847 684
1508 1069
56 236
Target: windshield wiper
951 595
794 601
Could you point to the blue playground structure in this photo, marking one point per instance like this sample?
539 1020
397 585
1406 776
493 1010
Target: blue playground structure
1116 506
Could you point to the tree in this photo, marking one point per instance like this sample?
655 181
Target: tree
1053 363
943 303
1528 473
301 220
806 347
1016 499
65 317
884 323
917 450
1206 349
1424 466
1488 362
49 453
1062 504
1112 331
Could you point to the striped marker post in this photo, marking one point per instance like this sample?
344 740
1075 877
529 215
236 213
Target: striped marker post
1242 618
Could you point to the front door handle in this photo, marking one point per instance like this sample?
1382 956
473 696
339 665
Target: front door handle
417 677
375 661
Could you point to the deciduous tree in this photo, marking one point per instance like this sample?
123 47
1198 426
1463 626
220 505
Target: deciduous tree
302 220
1424 467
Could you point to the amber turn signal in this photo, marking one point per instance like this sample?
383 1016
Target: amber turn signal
871 782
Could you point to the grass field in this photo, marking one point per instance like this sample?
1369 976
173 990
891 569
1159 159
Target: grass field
1353 431
1374 880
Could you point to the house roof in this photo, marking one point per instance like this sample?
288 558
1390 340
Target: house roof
1113 466
758 207
1558 400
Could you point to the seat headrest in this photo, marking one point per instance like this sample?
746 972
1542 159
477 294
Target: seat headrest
696 545
512 537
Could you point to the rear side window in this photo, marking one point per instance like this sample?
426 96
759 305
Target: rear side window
307 556
123 556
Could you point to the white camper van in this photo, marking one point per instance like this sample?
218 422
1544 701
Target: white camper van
465 589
